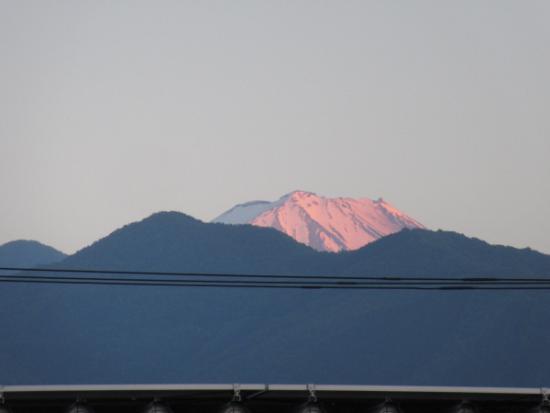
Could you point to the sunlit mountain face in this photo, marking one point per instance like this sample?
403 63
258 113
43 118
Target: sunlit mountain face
325 224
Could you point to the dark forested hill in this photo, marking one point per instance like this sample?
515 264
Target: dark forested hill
23 253
171 241
441 253
137 334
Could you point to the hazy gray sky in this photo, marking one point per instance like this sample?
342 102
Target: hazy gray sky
113 110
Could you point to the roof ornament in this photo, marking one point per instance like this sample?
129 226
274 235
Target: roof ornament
3 407
237 393
236 404
312 405
312 394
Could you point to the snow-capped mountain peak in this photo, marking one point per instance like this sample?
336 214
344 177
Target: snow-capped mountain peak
325 224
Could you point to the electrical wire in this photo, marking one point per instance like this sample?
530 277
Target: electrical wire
274 276
274 281
77 281
342 283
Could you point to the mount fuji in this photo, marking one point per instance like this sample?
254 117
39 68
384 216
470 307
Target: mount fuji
325 224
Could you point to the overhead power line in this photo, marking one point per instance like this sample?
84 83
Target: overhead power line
259 284
273 276
272 281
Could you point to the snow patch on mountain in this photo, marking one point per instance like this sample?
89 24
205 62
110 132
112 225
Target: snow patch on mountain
243 213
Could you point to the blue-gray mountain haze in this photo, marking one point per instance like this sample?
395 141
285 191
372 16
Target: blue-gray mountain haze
121 334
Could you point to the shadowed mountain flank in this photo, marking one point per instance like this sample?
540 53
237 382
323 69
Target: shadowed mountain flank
145 334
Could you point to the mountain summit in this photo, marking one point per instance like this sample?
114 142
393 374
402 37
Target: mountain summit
325 224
